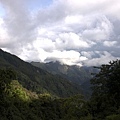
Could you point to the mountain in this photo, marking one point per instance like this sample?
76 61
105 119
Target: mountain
75 74
18 103
37 79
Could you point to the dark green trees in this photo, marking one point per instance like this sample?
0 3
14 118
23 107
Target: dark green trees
105 99
18 103
6 76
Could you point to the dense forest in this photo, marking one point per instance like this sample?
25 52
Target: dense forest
79 75
36 79
17 102
73 73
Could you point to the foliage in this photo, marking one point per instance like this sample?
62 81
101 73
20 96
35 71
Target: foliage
113 117
36 79
73 73
80 76
72 107
17 103
105 99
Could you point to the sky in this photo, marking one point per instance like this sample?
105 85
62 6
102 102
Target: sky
74 32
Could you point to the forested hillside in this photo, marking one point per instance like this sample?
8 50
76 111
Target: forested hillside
30 93
36 79
18 103
75 74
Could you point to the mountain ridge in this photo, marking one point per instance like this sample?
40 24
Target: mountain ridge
82 73
79 75
36 79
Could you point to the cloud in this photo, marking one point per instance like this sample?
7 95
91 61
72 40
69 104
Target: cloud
68 57
71 31
3 34
110 43
18 22
104 57
101 29
70 41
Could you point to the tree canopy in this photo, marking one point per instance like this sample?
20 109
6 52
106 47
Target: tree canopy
105 99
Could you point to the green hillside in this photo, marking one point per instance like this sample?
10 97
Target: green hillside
36 79
75 74
18 103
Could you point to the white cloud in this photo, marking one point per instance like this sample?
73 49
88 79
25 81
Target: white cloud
109 43
4 39
88 54
74 19
44 43
72 31
70 41
104 57
67 57
101 30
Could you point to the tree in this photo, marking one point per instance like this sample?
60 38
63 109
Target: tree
6 76
106 89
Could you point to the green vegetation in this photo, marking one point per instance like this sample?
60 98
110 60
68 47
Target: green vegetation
36 79
73 73
19 103
80 76
105 100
